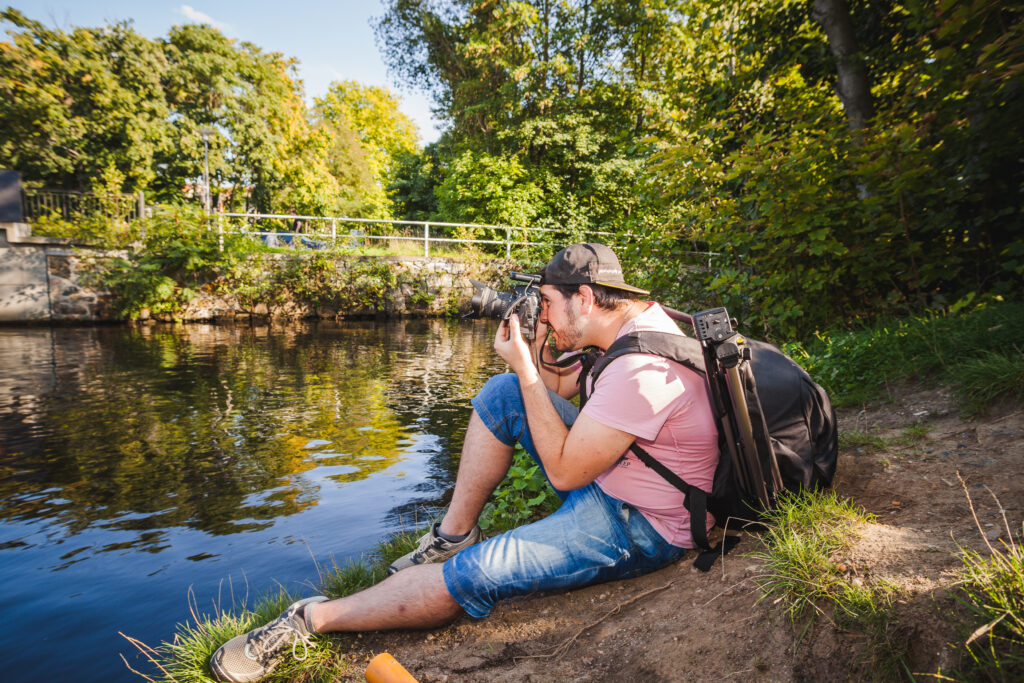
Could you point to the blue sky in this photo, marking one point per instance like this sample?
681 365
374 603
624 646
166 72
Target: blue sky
332 39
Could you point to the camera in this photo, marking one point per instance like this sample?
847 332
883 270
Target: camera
523 300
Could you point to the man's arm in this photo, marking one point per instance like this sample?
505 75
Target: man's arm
571 457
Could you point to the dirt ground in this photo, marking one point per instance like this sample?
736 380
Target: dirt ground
679 624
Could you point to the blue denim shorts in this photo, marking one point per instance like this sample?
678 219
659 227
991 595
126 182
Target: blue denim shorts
591 538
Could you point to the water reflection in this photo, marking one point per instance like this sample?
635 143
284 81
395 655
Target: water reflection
214 428
137 464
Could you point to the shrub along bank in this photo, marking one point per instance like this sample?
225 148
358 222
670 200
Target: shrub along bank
180 269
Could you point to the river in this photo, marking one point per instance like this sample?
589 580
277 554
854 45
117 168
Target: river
142 465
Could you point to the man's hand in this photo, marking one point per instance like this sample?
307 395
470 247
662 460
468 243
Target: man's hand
513 349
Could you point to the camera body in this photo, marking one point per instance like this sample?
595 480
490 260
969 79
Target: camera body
523 301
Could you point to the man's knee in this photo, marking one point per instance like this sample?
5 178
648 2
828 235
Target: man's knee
500 388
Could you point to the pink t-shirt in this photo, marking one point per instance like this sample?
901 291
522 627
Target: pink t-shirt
666 406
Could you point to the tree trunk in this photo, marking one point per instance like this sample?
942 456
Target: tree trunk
853 87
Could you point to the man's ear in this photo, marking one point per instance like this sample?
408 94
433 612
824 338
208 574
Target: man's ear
586 294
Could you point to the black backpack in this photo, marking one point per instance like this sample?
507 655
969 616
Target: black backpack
777 429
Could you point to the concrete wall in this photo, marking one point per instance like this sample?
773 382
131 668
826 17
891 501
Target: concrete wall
41 280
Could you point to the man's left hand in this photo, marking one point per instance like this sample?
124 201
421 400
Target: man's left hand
514 350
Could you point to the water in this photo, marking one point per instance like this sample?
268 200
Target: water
139 464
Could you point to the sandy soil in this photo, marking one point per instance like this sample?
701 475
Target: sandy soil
679 624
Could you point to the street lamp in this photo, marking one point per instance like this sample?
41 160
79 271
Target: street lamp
206 133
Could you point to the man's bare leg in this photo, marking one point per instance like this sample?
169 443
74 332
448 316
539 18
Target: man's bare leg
414 598
484 463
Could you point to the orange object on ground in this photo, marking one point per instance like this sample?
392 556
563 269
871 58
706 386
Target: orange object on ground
385 669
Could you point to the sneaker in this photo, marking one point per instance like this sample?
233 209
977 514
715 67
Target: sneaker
253 655
434 548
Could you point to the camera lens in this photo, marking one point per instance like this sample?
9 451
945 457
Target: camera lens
488 303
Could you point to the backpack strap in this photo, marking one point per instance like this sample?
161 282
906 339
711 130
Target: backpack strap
687 352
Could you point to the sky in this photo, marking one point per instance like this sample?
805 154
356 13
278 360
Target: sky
332 39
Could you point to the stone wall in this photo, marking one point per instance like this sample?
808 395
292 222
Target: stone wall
430 287
47 280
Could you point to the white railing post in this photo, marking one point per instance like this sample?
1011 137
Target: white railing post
220 233
508 242
426 240
334 231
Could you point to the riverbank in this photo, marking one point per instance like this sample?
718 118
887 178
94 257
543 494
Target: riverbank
172 279
931 469
679 624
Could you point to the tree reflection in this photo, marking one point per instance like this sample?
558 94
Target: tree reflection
214 428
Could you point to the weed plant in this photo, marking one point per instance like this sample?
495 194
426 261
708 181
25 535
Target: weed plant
803 546
523 496
991 589
975 352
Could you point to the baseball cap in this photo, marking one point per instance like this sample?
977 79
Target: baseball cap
586 264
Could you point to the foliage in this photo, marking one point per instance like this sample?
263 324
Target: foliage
968 349
523 496
369 133
545 101
92 229
82 104
179 255
108 109
812 225
992 588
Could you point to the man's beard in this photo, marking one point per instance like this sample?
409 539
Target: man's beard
571 338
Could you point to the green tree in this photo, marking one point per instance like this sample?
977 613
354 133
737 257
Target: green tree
84 109
812 229
369 134
267 148
554 92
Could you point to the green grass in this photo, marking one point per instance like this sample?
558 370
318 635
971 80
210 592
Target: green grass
991 589
980 381
857 439
974 352
805 575
523 496
186 657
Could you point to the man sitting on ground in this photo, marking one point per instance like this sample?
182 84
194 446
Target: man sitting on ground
618 518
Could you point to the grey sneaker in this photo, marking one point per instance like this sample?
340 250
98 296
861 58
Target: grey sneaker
433 548
253 655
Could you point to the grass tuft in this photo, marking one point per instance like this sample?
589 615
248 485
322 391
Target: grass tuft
991 588
186 658
857 439
979 381
804 572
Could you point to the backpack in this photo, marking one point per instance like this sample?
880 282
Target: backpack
777 429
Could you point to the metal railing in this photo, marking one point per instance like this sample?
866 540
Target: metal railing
427 232
69 205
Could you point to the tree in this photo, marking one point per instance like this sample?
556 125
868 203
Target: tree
109 109
555 91
267 148
369 134
82 109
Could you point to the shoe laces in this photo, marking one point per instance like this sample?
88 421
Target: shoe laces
264 644
428 541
